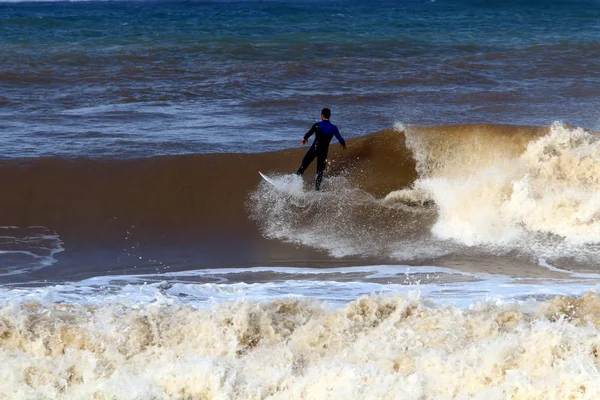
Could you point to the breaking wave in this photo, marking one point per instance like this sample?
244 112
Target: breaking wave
410 194
479 189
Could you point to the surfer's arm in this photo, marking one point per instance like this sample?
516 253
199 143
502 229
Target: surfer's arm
312 130
340 138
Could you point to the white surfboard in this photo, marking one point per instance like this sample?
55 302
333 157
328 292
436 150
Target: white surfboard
266 178
292 187
289 184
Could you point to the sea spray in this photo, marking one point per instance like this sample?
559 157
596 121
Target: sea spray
341 219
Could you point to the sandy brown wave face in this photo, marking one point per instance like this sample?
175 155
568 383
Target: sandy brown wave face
373 348
411 194
183 208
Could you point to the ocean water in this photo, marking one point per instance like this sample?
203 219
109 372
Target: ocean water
454 252
136 78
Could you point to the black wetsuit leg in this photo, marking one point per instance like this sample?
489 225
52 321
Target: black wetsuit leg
321 163
320 153
308 158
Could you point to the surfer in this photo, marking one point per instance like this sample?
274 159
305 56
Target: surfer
324 131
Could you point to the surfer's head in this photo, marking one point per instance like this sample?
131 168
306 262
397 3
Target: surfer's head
325 113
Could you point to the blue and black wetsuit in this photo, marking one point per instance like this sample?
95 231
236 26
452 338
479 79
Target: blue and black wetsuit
324 131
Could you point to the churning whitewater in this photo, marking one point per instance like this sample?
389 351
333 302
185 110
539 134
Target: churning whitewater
372 348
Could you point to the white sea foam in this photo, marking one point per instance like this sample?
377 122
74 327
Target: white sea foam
28 248
302 333
337 286
371 348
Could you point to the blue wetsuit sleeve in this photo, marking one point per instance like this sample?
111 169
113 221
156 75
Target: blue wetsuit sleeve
339 137
312 130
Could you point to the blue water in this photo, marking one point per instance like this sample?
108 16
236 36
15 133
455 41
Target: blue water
136 78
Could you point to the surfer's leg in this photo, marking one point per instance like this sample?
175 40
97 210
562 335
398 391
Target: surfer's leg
308 158
321 163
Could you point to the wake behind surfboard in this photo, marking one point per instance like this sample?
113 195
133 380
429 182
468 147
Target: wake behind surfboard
292 185
289 184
